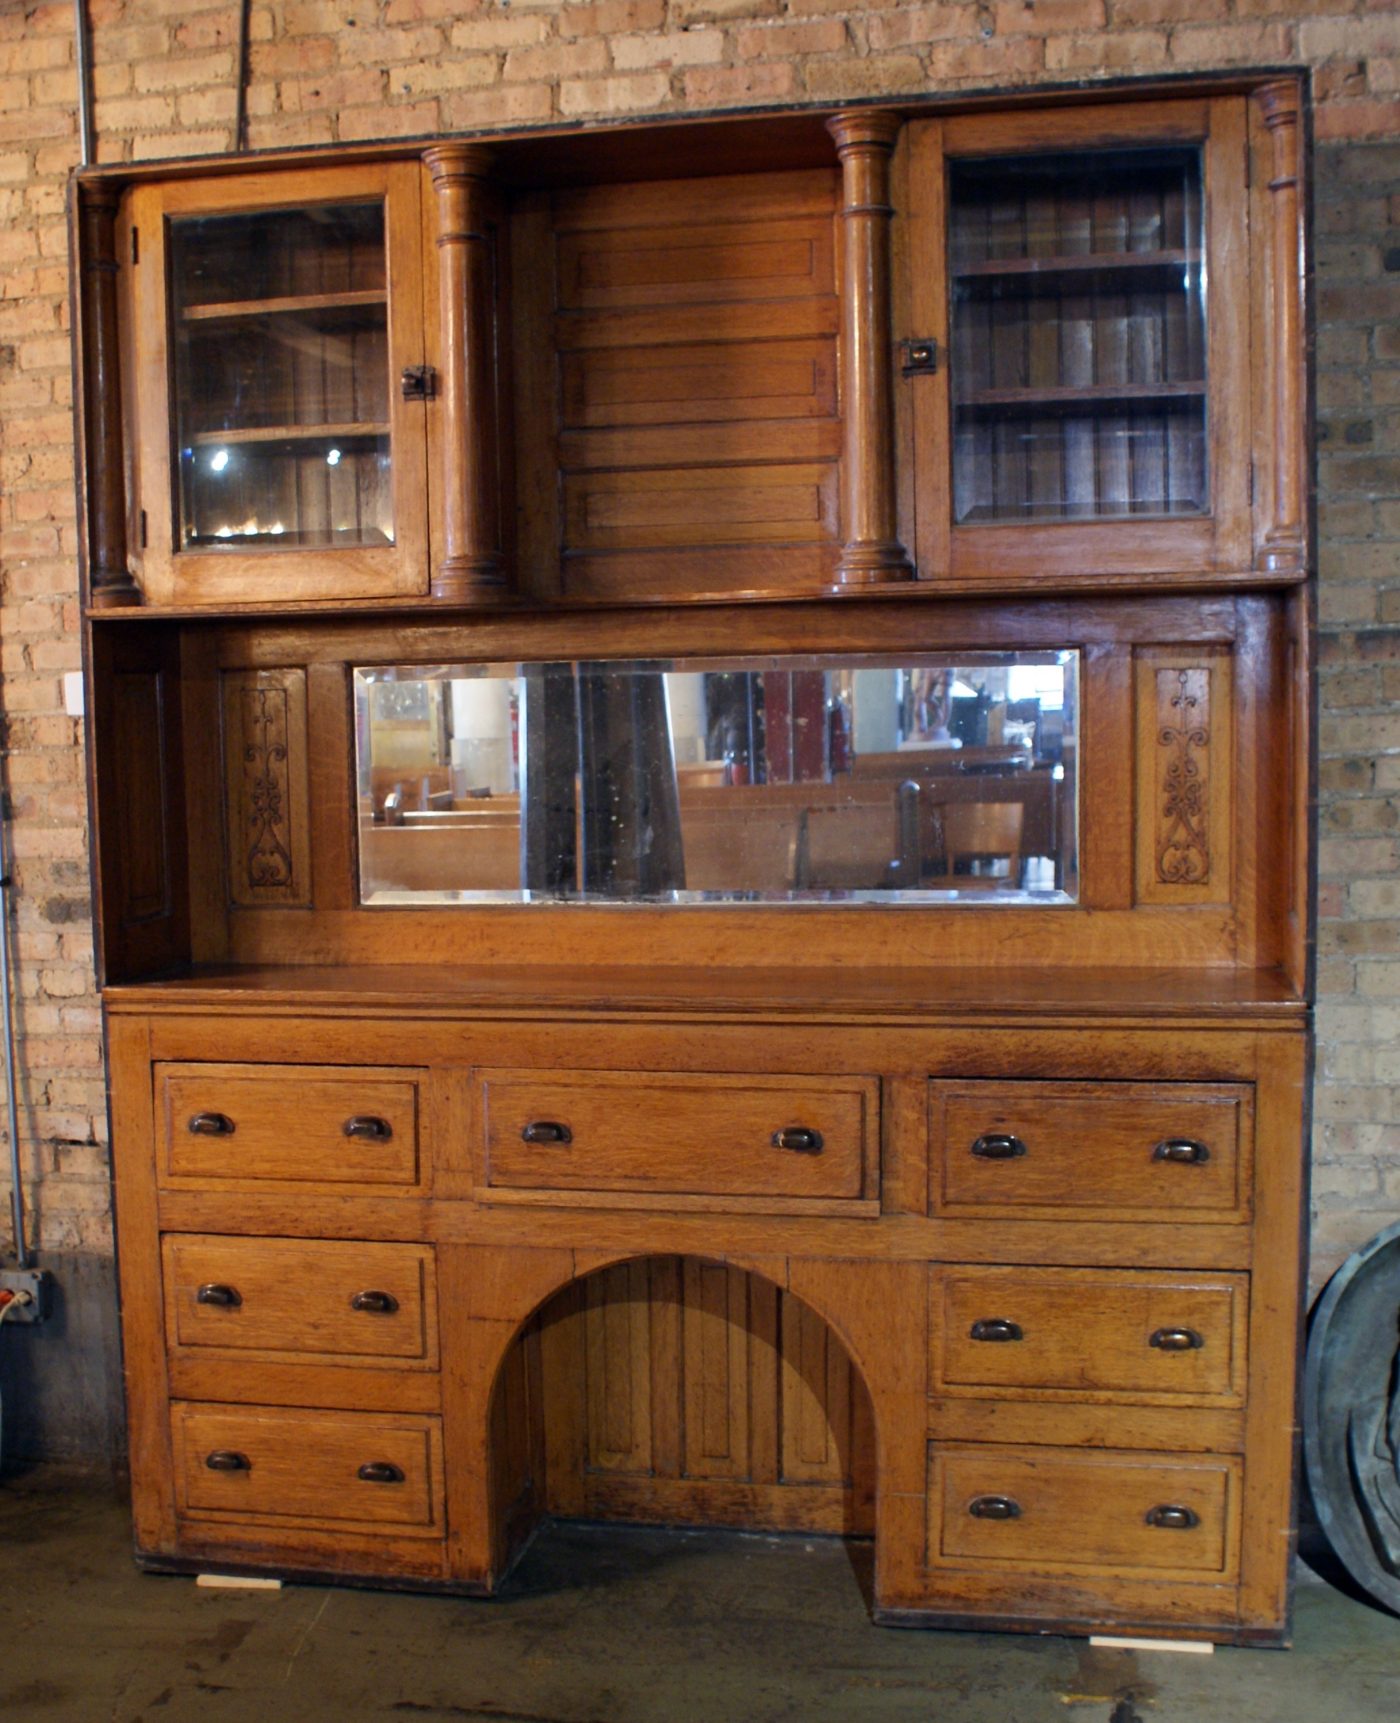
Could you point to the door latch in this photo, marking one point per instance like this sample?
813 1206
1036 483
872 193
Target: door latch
419 383
918 356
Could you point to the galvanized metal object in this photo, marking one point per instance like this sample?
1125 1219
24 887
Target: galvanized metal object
1351 1415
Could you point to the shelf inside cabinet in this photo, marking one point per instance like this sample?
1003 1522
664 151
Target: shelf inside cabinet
291 433
1088 398
296 304
1076 272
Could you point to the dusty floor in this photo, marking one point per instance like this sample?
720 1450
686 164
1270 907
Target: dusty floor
601 1626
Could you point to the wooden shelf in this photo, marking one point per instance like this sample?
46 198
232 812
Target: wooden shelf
290 434
288 306
1088 398
1077 264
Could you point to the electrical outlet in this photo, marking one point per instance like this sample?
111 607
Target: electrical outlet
38 1283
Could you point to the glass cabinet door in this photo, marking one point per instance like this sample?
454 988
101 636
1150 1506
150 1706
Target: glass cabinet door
1084 277
293 465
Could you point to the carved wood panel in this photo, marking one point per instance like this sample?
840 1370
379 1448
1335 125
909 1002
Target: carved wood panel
266 788
1185 747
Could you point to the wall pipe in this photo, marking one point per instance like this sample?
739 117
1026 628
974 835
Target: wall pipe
11 1064
83 55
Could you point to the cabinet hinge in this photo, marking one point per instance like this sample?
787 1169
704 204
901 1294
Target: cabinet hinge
1251 484
419 383
142 533
135 245
918 356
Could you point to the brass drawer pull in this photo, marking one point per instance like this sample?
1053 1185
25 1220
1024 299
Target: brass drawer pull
375 1303
1177 1340
369 1127
211 1125
994 1508
995 1328
998 1146
380 1472
227 1460
1182 1151
225 1297
799 1139
1173 1518
546 1131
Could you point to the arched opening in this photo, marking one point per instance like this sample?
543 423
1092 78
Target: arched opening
680 1391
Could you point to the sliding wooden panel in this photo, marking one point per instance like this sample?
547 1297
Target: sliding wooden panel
695 326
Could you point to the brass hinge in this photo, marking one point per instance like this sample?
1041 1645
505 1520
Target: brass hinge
918 356
135 245
143 529
419 383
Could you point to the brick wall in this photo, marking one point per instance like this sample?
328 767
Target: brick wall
328 70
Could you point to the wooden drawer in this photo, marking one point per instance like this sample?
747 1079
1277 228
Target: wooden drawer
1149 1151
1069 1333
706 1135
302 1124
346 1469
1055 1510
297 1298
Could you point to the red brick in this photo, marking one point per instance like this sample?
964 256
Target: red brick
717 86
1047 17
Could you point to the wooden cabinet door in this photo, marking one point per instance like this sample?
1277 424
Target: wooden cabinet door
1084 274
269 321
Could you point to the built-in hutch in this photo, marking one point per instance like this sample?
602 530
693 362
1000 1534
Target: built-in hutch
700 752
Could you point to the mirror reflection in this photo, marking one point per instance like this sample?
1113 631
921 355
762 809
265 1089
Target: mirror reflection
932 778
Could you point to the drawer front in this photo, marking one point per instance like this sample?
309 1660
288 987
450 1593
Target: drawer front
343 1468
278 1297
303 1124
1139 1336
707 1135
1052 1510
1133 1150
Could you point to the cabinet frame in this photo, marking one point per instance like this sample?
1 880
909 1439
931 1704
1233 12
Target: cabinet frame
168 575
1118 547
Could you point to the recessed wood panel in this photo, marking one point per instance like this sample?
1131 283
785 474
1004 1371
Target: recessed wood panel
1185 776
138 741
715 262
681 1390
746 381
267 798
700 506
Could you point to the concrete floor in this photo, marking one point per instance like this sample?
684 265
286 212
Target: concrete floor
601 1625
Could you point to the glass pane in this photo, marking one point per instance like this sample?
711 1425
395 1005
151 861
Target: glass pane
1079 348
282 378
926 778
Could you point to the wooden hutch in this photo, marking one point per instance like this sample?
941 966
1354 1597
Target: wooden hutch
709 1133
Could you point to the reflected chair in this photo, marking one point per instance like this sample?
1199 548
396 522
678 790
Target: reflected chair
967 842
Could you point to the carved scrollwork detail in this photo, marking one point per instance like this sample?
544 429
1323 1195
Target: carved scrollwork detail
265 756
1183 840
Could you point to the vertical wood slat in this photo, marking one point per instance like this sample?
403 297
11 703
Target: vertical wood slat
1285 539
109 580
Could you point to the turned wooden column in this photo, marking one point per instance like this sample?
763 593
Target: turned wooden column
871 552
473 564
1285 540
109 578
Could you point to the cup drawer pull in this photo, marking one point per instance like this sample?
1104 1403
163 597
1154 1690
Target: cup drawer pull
380 1472
211 1125
799 1139
224 1297
1173 1518
546 1131
228 1460
995 1328
994 1508
375 1303
998 1146
1182 1151
369 1128
1177 1340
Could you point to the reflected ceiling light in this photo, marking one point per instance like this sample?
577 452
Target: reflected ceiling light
333 457
219 460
